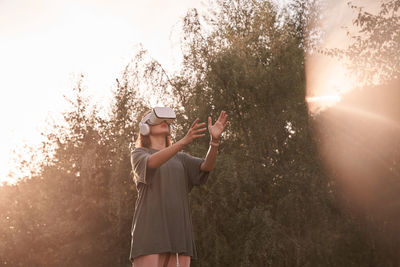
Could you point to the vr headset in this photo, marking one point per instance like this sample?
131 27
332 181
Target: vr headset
156 116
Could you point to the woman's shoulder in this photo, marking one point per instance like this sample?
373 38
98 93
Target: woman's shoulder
139 149
143 150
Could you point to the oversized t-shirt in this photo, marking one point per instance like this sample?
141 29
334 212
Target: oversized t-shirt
162 221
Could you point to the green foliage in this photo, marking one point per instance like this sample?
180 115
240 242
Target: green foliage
249 61
373 50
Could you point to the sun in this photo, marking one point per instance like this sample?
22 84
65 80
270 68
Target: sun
327 80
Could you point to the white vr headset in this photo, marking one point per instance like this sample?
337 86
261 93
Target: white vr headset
156 116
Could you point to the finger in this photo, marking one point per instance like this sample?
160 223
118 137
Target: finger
209 122
200 130
224 117
194 123
226 124
198 125
198 135
221 115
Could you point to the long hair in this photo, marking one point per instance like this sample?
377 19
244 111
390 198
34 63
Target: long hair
144 140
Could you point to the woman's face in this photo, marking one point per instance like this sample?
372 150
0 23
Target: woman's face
159 129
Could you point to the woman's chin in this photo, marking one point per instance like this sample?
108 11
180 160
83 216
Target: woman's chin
161 133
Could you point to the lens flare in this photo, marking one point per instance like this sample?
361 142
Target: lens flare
357 130
359 140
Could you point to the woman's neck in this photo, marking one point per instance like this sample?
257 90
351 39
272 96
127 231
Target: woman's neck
157 142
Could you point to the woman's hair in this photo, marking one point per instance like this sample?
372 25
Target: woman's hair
144 140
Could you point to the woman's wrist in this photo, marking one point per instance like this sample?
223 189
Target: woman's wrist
214 142
181 143
213 139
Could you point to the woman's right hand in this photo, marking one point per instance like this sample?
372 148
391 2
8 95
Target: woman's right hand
160 157
194 132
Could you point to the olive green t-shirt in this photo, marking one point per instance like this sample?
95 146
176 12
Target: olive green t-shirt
162 221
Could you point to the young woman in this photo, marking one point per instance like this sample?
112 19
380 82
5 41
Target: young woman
162 234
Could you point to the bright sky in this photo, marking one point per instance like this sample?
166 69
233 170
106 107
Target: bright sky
327 77
44 43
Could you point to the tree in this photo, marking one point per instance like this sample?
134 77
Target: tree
373 51
268 191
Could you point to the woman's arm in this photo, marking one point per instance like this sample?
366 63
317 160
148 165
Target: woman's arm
209 161
162 156
215 132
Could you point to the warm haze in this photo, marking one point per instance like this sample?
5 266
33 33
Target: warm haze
45 44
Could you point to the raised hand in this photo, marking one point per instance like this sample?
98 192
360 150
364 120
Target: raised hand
194 132
217 129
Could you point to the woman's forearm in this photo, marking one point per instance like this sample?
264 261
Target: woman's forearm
209 161
162 156
215 132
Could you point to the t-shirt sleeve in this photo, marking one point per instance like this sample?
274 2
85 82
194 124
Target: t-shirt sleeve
139 158
192 168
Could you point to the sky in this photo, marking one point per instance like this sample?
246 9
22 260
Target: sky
328 78
45 44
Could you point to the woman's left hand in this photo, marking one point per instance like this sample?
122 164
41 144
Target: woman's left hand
219 126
